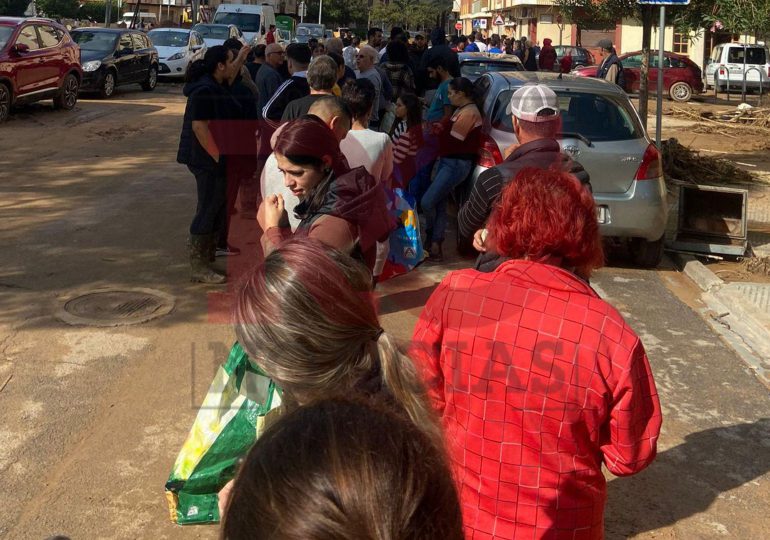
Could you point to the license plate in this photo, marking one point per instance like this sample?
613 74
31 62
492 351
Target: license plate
602 214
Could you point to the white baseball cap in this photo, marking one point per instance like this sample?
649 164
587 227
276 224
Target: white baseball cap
535 103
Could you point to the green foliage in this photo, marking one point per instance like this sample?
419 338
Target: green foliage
59 9
95 11
409 14
336 13
13 8
741 16
597 15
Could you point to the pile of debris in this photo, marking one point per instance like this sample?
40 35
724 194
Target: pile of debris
742 119
681 164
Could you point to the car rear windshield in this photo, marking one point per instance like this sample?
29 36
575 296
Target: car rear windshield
5 35
595 117
94 41
754 55
169 39
477 69
247 22
215 32
315 31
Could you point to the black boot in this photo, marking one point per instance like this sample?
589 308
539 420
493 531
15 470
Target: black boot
201 253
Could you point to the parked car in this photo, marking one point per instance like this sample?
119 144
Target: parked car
38 60
305 31
600 129
580 57
217 34
726 66
474 64
114 57
681 76
177 49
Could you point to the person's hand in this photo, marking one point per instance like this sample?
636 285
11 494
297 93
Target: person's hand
224 498
243 53
274 209
479 240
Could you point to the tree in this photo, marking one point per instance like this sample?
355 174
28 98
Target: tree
13 8
59 9
410 14
338 13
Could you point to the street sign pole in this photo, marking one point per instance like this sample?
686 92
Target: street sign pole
661 46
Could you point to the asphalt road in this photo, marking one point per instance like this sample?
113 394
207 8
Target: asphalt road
92 418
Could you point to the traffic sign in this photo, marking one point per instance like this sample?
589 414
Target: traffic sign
663 2
499 20
458 26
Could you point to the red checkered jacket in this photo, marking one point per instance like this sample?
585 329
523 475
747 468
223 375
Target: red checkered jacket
538 382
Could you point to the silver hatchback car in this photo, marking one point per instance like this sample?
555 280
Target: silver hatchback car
601 130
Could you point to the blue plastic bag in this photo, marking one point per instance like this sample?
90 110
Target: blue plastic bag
406 250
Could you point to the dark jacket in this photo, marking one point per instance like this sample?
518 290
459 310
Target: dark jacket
209 100
541 154
356 197
294 88
601 73
400 77
439 48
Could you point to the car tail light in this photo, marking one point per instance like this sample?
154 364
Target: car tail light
722 72
768 72
489 153
651 167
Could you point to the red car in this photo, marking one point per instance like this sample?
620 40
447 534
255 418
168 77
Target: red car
38 60
681 76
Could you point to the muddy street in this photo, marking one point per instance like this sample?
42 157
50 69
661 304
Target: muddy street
92 417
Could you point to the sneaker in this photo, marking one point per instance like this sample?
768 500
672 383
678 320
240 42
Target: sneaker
227 251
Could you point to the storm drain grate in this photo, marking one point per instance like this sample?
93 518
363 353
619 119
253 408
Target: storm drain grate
116 307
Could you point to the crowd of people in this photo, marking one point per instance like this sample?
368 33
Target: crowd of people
519 383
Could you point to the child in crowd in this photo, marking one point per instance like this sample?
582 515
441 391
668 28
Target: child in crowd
407 138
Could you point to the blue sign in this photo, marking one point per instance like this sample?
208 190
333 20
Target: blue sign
663 2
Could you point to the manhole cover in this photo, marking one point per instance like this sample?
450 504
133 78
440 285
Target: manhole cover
116 307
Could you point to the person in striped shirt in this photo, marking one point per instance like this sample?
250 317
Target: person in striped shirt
407 138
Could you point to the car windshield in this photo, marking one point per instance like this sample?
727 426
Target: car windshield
215 32
5 35
169 39
595 117
477 69
315 31
95 41
247 22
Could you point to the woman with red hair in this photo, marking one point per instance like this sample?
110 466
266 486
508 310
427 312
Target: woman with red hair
341 207
537 380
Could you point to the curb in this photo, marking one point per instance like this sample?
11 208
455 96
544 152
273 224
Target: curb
744 327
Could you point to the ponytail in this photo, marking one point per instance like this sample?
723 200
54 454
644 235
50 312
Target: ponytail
400 379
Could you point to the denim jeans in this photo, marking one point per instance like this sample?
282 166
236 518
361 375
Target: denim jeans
425 160
212 200
449 174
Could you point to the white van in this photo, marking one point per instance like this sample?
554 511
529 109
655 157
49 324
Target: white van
253 21
144 18
727 63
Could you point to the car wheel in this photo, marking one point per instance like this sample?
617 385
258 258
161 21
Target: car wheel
152 79
646 253
68 95
680 91
5 102
108 86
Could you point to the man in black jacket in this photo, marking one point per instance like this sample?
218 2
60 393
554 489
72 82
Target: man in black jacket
611 68
298 58
536 123
440 48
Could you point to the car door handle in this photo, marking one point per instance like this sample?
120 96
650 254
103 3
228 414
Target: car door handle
40 60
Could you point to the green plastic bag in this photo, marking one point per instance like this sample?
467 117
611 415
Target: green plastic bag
242 400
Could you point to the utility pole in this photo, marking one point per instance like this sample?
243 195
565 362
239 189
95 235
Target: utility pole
107 13
644 93
320 10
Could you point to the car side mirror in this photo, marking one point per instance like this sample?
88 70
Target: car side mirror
196 47
262 30
124 51
20 48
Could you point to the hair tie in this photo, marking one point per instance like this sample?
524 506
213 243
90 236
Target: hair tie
378 334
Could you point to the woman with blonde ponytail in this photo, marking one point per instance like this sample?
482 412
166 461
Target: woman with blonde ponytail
307 317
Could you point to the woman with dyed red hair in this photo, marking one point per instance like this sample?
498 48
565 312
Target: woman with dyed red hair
537 380
343 208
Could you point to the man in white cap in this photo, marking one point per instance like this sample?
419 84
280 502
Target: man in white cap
536 123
